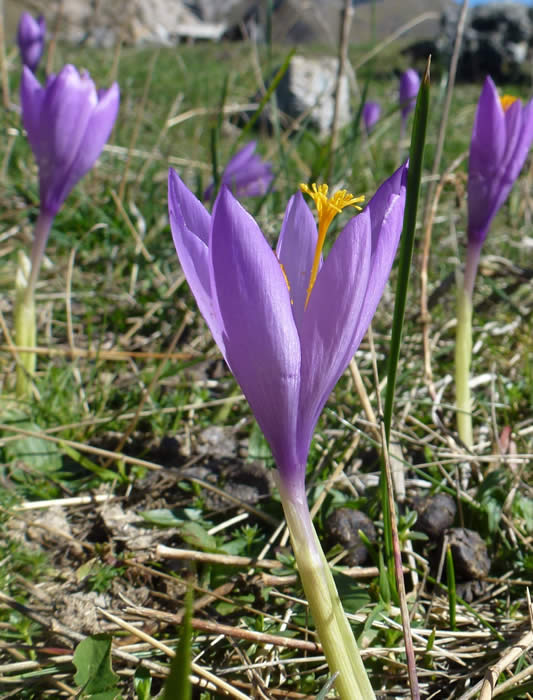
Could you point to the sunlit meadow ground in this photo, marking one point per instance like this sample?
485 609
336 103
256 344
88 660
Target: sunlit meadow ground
126 421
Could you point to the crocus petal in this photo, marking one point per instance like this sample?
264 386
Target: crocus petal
386 210
246 174
67 123
31 99
371 114
500 143
240 159
261 341
295 251
488 136
98 129
66 110
190 224
332 328
30 38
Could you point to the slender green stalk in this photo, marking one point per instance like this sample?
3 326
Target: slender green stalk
463 342
24 326
40 238
452 593
463 355
25 323
416 157
334 631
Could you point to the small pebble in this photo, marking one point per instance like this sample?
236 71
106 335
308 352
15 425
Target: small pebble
435 514
343 526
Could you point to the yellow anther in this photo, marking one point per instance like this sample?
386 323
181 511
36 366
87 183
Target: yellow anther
285 277
327 209
507 101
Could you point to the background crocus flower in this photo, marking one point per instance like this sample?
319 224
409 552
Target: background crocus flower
371 114
30 39
288 323
409 86
501 139
68 122
246 174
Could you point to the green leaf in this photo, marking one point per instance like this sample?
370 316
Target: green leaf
195 535
407 241
94 674
142 682
329 685
162 517
42 455
178 684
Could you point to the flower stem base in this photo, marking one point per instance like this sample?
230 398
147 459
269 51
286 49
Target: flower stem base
334 631
463 356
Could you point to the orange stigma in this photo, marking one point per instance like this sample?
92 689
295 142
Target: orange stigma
507 101
327 209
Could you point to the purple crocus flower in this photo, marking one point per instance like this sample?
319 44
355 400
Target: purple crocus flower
409 86
501 139
371 114
68 122
30 38
245 174
286 321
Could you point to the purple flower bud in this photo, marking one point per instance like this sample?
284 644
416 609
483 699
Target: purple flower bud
246 174
68 122
501 139
30 38
287 321
371 114
409 86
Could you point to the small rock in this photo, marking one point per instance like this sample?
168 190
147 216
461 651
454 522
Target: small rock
308 87
469 551
217 441
343 527
435 514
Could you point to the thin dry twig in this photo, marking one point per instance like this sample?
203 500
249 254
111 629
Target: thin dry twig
344 40
398 566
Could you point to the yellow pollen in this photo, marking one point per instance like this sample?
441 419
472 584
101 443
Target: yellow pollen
507 101
327 209
285 277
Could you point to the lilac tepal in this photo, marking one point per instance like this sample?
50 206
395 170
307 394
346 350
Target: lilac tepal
31 34
287 321
371 114
409 87
246 174
68 122
501 139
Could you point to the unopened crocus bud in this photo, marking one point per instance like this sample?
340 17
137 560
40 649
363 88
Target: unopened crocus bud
409 86
31 33
68 122
371 114
246 174
501 139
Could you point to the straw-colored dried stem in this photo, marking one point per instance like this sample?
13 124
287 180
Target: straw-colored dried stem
344 40
424 266
398 566
196 668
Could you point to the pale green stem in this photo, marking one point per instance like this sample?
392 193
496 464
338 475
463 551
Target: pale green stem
25 322
40 238
463 344
334 631
24 327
